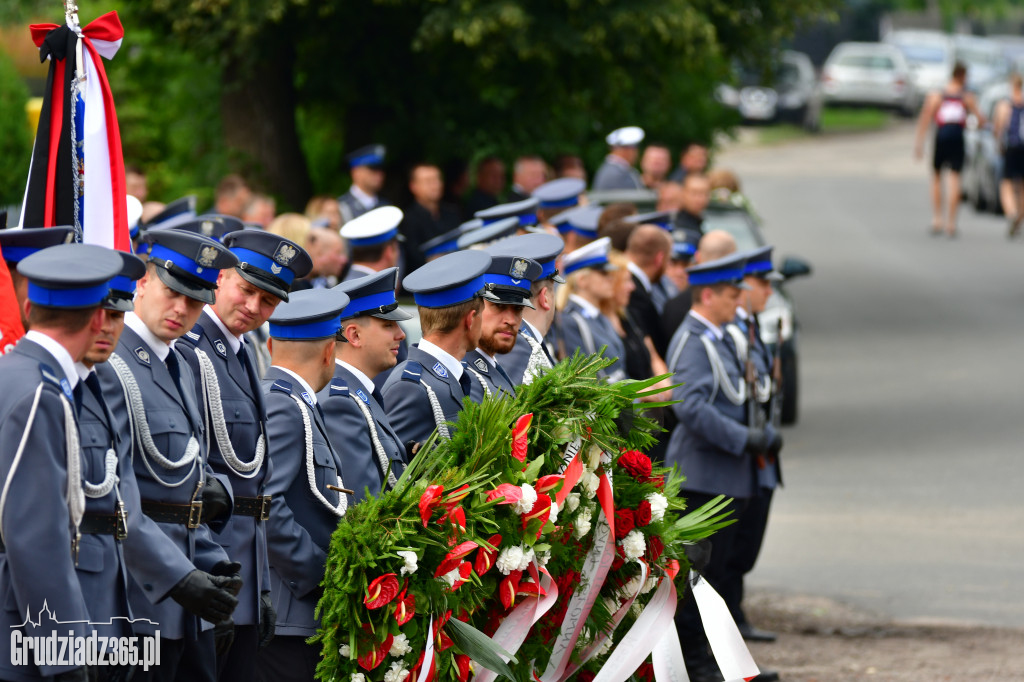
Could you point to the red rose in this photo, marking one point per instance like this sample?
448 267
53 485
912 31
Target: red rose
617 563
654 548
381 591
645 672
636 463
624 522
585 676
642 516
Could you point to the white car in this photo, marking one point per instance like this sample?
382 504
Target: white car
985 61
869 74
930 55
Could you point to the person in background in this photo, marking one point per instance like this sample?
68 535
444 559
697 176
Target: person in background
231 196
490 184
611 224
641 360
327 249
696 196
648 252
366 166
693 159
1008 128
617 171
426 216
292 226
135 183
322 210
528 173
655 165
714 245
260 210
570 166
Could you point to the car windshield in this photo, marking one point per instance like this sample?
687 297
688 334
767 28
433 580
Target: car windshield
785 74
866 61
737 223
923 54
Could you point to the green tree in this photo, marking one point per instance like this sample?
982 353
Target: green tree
15 139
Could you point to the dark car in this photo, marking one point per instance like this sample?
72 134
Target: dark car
791 93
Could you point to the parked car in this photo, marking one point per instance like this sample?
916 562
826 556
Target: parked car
985 61
983 160
790 93
930 55
1013 49
868 74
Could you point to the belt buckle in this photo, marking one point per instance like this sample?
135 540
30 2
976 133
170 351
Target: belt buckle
265 508
120 522
195 514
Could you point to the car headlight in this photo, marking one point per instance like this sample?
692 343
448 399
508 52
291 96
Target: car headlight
775 309
727 95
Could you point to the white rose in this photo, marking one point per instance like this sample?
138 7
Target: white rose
630 588
590 482
659 503
611 603
397 673
582 525
572 501
345 651
553 514
400 646
525 503
636 609
593 457
357 677
634 545
651 583
410 562
509 559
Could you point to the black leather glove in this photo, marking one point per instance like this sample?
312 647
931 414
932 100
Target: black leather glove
223 637
216 501
268 619
210 597
229 569
757 441
75 675
775 445
699 554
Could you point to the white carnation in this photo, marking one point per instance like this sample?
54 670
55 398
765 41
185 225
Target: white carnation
525 503
410 562
634 545
572 501
582 525
400 645
528 556
651 583
543 558
593 458
345 650
606 647
509 559
553 514
357 677
397 673
451 576
590 482
630 588
659 503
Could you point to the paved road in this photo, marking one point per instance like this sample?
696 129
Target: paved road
905 475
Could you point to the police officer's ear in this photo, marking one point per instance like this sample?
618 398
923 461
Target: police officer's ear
327 354
351 332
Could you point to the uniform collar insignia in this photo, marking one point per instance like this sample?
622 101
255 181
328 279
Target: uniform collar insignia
142 354
439 370
221 348
66 387
308 399
362 396
481 364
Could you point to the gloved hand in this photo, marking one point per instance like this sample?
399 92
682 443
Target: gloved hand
776 444
699 554
223 637
229 569
757 441
216 501
268 619
74 675
210 597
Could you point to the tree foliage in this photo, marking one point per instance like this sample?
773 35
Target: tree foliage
15 139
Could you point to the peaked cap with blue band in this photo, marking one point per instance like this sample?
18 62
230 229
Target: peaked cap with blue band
20 244
212 226
662 219
508 279
759 264
122 287
541 247
374 227
175 213
684 243
560 193
582 220
267 260
373 295
727 270
449 280
310 315
506 227
188 263
525 211
593 255
371 155
70 275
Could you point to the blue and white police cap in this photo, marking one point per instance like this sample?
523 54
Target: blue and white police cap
175 213
541 247
17 245
499 229
525 211
373 295
759 264
583 221
212 226
593 256
662 219
371 155
630 136
310 315
70 275
508 280
122 288
442 244
188 262
449 280
268 261
727 270
560 193
378 226
134 207
684 244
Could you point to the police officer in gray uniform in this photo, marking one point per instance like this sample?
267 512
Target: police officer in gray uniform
179 490
530 355
373 241
43 502
231 400
426 391
308 497
373 456
20 244
712 443
618 170
366 165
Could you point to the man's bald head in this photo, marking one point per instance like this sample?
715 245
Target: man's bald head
714 245
646 242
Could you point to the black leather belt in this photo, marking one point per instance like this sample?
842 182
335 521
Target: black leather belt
258 507
105 524
189 515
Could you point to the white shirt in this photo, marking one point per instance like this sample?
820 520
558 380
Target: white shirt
59 353
715 329
640 275
362 197
447 359
302 383
536 332
155 344
83 371
589 309
234 341
358 374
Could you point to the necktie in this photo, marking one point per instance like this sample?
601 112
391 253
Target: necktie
243 357
504 375
76 394
465 382
378 397
174 367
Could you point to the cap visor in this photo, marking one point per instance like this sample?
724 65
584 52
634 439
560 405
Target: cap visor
396 315
124 305
774 277
507 298
186 288
263 284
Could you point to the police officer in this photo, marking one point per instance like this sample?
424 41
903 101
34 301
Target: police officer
39 519
426 391
556 196
179 490
306 488
373 241
177 212
373 456
489 233
581 324
531 355
231 400
449 241
578 226
366 165
713 443
618 170
524 210
20 244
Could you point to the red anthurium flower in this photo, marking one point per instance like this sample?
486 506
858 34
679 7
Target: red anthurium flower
511 493
636 463
381 591
429 501
456 517
642 515
454 557
405 608
508 588
414 674
530 589
541 511
624 522
462 664
485 557
465 569
550 483
441 639
457 495
372 652
520 437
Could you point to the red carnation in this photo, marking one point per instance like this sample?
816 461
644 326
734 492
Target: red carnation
520 437
405 608
642 515
654 548
381 591
624 522
485 557
636 463
429 501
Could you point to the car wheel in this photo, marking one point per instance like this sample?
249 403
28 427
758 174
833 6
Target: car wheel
790 388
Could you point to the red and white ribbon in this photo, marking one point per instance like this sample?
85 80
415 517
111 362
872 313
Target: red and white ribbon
428 654
727 644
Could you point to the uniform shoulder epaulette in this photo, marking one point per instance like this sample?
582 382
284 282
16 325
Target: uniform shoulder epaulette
48 374
338 387
282 385
194 335
412 371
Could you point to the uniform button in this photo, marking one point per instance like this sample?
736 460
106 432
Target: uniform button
291 583
172 425
147 586
238 413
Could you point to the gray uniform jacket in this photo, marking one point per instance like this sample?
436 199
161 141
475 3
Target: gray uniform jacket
612 175
244 536
349 433
300 526
407 403
351 207
173 418
770 475
480 369
36 564
578 329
